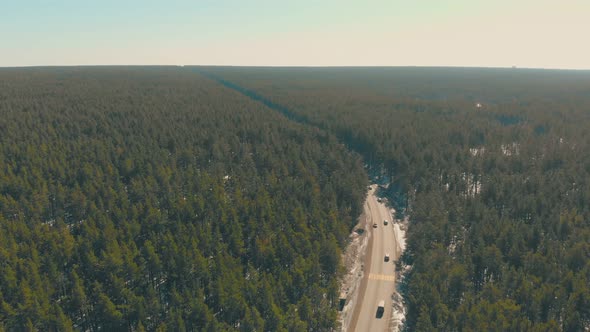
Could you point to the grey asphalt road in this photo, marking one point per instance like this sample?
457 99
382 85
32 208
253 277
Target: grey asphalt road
379 274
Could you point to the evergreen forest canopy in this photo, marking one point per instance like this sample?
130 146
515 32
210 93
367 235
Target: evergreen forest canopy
211 198
156 199
493 168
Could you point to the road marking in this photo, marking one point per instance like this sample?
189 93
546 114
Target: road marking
384 277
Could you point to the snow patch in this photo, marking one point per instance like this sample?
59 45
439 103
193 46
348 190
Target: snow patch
398 313
510 149
353 258
400 237
477 151
473 184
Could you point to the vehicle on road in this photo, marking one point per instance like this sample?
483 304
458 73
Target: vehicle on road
379 200
387 257
375 225
385 222
380 309
342 301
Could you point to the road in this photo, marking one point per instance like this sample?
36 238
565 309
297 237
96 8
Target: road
378 283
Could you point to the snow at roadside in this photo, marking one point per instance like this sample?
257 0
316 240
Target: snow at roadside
398 314
353 259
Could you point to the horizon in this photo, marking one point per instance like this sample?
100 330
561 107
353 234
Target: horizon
294 67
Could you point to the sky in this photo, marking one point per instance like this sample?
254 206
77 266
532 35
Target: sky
472 33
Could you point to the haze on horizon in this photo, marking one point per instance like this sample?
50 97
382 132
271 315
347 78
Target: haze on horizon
503 33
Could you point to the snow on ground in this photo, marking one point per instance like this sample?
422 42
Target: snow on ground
473 184
353 258
398 314
400 237
510 149
477 151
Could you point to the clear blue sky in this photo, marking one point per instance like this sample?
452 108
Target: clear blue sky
500 33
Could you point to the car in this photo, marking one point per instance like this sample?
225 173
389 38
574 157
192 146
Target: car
387 257
385 222
379 200
380 309
375 225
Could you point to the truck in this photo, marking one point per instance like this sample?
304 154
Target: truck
380 309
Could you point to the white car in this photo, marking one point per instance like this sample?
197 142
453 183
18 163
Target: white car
385 222
387 257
